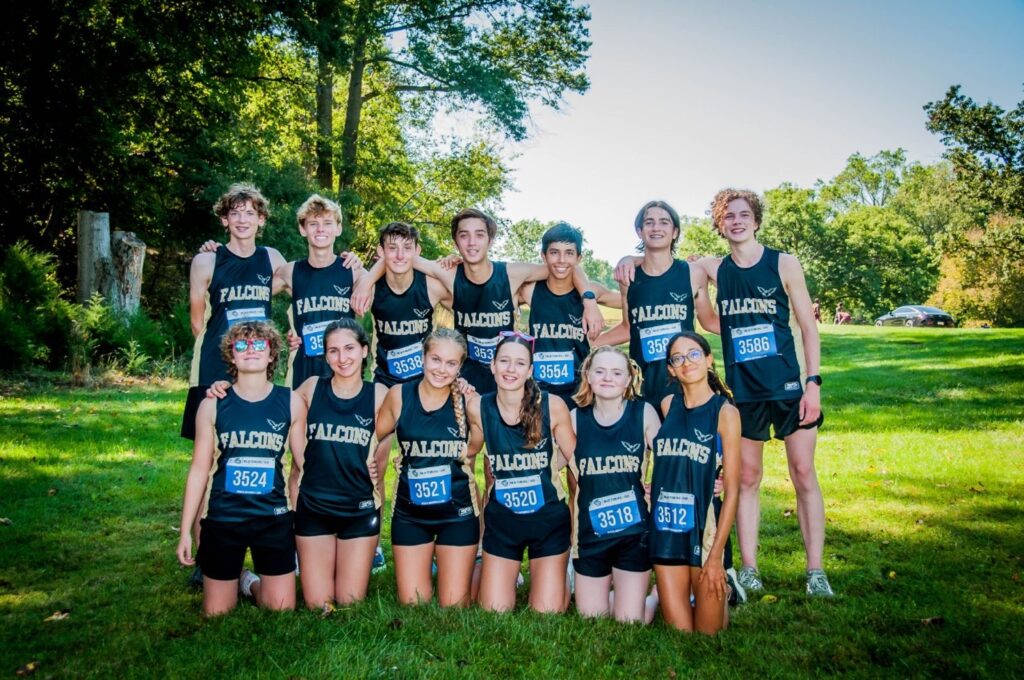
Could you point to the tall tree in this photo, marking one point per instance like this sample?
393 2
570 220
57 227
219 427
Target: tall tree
865 180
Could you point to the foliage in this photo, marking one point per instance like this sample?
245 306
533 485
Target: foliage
700 238
915 462
521 242
34 318
865 180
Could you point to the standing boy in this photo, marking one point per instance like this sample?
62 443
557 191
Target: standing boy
759 291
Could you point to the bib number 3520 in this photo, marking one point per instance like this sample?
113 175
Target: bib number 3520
521 495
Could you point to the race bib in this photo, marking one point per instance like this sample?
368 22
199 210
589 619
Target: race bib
674 512
753 342
554 368
405 362
313 338
654 340
521 495
611 514
482 349
248 314
430 486
250 475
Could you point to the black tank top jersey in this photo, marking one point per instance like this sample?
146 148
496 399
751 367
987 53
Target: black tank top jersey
757 342
560 345
659 307
481 312
247 480
525 479
609 466
319 296
401 321
239 290
687 457
340 442
433 481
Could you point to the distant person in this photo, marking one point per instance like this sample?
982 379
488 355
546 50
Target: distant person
816 309
842 316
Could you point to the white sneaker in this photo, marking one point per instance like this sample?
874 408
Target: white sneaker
245 581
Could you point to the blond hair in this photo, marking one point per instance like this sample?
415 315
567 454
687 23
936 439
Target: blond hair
317 205
585 395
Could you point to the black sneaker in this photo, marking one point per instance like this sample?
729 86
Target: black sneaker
195 580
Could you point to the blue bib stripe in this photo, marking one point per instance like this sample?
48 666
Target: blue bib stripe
482 311
401 321
319 296
560 346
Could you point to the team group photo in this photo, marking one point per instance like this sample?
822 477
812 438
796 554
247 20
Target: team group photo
469 339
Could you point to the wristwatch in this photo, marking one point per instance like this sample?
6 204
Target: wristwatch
589 295
813 379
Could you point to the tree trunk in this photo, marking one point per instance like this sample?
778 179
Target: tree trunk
324 122
93 253
353 110
129 254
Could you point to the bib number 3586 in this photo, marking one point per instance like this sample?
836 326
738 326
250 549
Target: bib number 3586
753 342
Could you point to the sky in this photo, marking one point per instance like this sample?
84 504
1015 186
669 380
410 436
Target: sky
688 97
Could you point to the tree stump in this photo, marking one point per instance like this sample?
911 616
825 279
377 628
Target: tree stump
128 256
93 254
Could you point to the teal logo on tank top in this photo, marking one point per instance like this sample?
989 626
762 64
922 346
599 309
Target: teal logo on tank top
342 291
767 292
263 279
632 448
500 305
678 297
576 320
364 421
420 312
276 427
454 432
703 437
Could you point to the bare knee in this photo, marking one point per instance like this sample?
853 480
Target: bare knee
750 476
804 476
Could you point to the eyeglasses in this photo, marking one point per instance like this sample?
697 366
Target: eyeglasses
517 335
258 344
677 360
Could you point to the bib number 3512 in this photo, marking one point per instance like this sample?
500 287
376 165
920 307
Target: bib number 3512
674 512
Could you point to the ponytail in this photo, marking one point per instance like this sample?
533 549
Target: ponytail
530 416
718 385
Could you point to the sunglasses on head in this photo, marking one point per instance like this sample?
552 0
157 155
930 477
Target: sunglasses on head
677 360
258 344
517 335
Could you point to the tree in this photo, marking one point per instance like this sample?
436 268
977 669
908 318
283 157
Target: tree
521 242
699 238
865 180
497 56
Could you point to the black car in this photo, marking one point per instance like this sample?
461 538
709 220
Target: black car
916 315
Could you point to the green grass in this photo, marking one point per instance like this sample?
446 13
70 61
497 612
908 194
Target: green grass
921 461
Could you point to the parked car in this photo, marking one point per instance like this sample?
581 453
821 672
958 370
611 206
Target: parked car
916 315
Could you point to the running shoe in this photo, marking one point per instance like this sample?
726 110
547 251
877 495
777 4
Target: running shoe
750 579
570 578
737 594
245 581
379 563
817 584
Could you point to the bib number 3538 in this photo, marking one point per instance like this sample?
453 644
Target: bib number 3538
250 475
674 512
521 495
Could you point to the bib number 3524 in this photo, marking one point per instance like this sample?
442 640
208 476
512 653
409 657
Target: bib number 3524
250 475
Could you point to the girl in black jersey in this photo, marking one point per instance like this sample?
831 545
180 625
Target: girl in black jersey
614 430
435 507
237 472
525 509
337 503
700 434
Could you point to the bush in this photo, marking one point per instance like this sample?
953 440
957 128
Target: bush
35 321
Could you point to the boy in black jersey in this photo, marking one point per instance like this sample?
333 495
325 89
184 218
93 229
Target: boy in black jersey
556 313
226 288
482 291
660 295
758 287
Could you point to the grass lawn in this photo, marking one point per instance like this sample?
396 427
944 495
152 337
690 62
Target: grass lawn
921 460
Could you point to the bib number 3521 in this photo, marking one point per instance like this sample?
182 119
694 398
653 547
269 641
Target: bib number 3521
430 486
674 512
250 475
521 495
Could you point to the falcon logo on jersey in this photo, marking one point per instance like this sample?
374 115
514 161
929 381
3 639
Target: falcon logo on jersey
576 319
703 437
276 426
454 432
678 297
632 448
767 292
342 291
420 313
263 279
541 444
500 305
364 421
